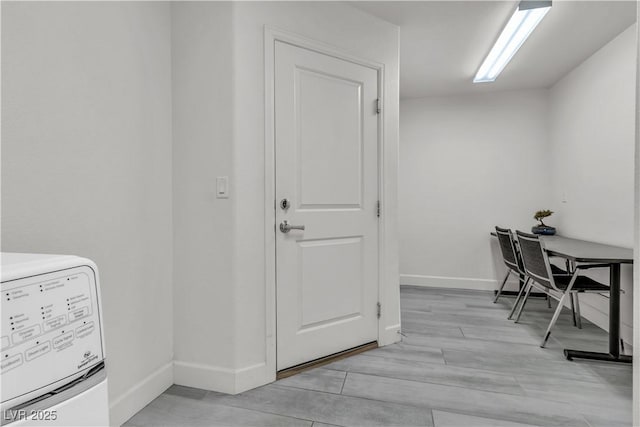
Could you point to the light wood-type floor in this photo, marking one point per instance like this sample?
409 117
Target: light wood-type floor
462 363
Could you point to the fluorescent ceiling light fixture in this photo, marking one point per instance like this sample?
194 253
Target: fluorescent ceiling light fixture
526 17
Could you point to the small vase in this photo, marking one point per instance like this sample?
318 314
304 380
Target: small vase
543 230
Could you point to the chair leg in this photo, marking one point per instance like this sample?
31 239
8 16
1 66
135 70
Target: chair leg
524 301
573 310
548 301
515 304
495 300
578 317
554 319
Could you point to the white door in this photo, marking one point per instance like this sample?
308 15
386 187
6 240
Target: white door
326 132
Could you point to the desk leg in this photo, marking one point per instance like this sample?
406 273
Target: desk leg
614 310
614 326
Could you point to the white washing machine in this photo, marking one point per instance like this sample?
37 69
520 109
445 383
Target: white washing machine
53 370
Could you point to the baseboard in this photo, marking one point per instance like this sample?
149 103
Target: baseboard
223 380
389 335
140 395
254 376
448 282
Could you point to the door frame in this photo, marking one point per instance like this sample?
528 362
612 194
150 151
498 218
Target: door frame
271 35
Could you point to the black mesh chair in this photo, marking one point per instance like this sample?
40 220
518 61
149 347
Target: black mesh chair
513 261
511 257
557 285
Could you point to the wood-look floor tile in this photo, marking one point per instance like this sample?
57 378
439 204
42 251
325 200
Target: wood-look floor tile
455 319
604 419
189 392
403 351
523 335
328 408
608 373
482 346
523 365
450 419
170 410
427 372
470 402
433 331
318 379
560 389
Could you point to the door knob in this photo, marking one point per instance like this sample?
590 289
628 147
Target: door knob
285 227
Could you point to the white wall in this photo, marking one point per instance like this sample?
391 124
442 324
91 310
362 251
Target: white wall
636 261
86 167
204 237
592 131
238 352
467 164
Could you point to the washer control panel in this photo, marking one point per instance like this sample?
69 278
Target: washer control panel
51 330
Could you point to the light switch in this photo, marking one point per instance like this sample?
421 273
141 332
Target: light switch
222 187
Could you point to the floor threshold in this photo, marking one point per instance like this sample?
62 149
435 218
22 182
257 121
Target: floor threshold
285 373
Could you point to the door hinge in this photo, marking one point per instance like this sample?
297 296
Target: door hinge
378 106
379 310
378 208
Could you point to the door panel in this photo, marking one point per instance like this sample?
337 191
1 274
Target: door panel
329 137
324 299
326 132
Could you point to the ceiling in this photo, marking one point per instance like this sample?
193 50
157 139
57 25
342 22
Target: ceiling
442 43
